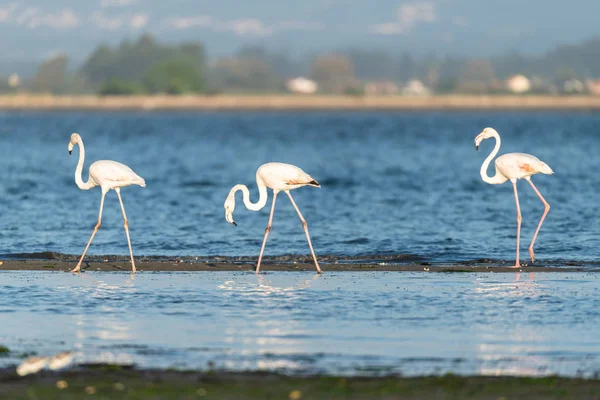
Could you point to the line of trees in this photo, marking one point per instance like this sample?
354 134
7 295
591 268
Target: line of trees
146 66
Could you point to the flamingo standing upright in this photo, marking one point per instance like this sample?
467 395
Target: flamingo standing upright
108 175
514 166
281 178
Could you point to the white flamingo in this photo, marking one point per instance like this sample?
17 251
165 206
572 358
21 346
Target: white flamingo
281 178
514 166
108 175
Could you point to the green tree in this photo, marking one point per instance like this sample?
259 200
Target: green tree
51 76
120 87
333 72
476 77
174 77
133 61
245 73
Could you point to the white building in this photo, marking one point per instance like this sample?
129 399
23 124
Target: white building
14 81
416 88
302 85
518 84
573 86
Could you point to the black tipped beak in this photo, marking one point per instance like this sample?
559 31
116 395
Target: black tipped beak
70 152
233 223
476 147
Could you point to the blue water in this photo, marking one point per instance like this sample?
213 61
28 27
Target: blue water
392 183
343 323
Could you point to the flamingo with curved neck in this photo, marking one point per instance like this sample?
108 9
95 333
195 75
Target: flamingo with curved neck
108 175
281 178
514 166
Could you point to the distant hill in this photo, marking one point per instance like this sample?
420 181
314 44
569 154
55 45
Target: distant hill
36 29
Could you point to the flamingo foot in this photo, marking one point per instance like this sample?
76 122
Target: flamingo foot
531 254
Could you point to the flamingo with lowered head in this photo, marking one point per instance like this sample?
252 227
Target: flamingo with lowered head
108 175
514 166
281 178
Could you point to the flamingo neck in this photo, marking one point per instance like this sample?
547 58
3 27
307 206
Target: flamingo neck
78 171
262 199
497 178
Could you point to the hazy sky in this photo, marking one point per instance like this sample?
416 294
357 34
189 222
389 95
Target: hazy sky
38 28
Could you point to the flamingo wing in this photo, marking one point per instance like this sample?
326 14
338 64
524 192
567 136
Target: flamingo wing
115 173
284 176
521 165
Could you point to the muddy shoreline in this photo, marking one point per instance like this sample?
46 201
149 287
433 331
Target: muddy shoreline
180 265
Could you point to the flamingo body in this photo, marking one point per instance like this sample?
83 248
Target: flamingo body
514 166
279 177
282 177
112 174
520 165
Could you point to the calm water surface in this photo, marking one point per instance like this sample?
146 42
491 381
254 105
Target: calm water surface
392 183
368 322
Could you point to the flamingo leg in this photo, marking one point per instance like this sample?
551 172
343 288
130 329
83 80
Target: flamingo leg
305 226
546 209
262 249
126 225
514 182
78 267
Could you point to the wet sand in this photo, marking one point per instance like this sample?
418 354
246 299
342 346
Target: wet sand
114 382
291 102
180 265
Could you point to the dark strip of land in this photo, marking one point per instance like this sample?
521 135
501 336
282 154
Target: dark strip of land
178 265
295 102
116 383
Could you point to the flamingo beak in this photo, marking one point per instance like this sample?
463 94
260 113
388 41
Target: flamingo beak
478 140
70 152
229 218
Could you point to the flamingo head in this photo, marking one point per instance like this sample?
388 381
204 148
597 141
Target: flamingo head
75 139
229 208
485 134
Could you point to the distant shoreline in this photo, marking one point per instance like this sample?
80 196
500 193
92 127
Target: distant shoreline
297 102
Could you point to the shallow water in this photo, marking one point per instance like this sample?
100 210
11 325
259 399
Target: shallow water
392 183
347 323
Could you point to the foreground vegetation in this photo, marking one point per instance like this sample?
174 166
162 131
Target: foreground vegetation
113 383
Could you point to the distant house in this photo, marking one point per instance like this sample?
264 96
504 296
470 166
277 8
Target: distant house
14 80
381 88
415 88
593 86
573 86
302 85
518 84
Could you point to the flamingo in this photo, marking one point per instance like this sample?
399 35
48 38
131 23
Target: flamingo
108 175
281 178
514 166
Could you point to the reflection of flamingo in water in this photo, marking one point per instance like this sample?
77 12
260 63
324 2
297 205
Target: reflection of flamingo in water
281 178
108 175
269 288
514 166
